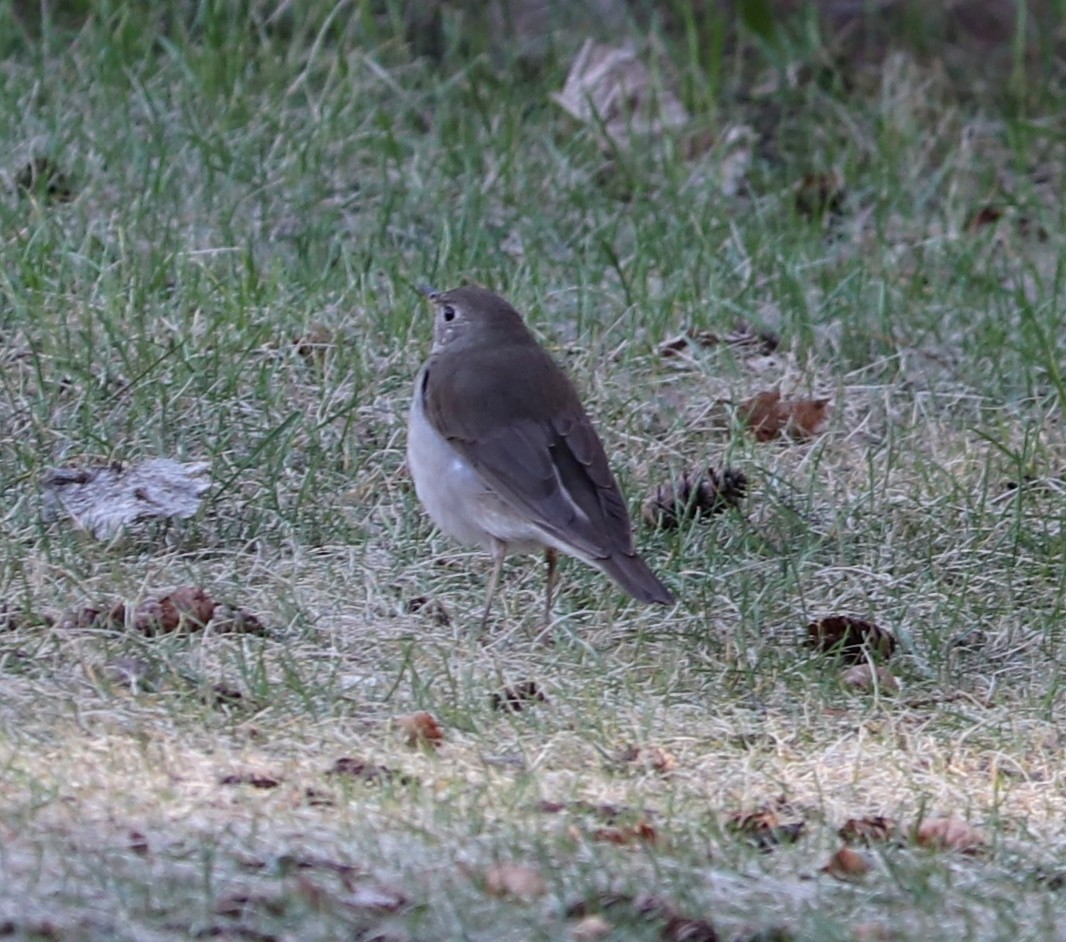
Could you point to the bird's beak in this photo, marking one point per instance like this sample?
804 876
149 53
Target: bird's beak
429 292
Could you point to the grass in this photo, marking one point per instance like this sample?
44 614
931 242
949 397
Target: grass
243 185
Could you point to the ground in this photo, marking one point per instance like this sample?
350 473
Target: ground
213 224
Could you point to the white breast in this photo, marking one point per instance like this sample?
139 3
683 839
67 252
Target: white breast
455 496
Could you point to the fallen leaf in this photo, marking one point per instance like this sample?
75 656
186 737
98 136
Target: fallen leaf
652 758
866 677
226 618
188 608
255 779
820 194
875 829
853 639
674 925
768 416
743 338
609 87
421 729
952 834
15 618
984 216
432 608
683 929
694 496
316 798
365 772
85 617
514 880
315 346
848 864
42 177
138 844
236 905
642 832
770 933
221 694
518 696
605 812
766 827
601 903
104 499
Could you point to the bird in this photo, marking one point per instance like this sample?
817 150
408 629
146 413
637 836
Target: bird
504 456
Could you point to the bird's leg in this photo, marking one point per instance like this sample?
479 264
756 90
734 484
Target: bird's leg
499 551
551 556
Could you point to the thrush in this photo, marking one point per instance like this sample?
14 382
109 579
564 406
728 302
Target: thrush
504 456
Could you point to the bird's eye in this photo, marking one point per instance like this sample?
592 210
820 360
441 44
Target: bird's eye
448 312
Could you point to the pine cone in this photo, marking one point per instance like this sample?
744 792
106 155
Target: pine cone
692 496
850 638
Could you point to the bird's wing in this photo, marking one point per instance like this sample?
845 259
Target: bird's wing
545 459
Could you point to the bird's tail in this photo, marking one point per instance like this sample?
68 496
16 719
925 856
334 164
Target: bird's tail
632 574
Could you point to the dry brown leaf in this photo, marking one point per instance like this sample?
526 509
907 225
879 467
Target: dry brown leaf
236 905
605 812
652 758
683 929
42 177
874 829
768 416
866 677
518 697
766 827
187 608
226 618
421 729
693 496
950 833
609 87
222 694
854 639
314 346
820 194
984 216
674 926
255 779
742 338
348 767
643 832
138 844
85 617
848 864
431 608
514 880
104 499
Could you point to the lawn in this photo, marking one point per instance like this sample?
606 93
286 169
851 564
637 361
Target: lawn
214 217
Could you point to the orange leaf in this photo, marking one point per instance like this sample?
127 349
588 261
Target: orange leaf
950 833
769 416
421 728
847 864
869 830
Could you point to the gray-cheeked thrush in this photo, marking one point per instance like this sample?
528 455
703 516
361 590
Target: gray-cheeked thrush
503 455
